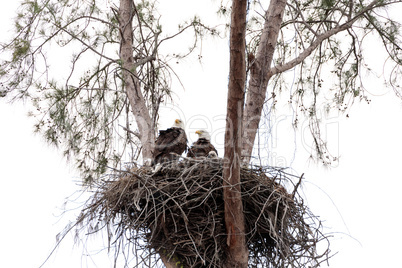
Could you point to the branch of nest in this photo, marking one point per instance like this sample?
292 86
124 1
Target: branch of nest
179 210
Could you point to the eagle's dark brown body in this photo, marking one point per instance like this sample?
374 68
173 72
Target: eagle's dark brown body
170 143
201 148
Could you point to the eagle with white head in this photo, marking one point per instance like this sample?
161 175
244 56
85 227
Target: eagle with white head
170 144
202 147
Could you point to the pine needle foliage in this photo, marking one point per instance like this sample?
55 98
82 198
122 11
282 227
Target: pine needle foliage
81 105
333 76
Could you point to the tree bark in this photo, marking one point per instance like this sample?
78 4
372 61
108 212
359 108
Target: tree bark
259 75
131 82
237 255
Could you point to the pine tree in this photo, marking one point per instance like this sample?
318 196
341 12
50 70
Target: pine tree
106 106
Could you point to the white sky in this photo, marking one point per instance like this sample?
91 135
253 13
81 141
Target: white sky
358 200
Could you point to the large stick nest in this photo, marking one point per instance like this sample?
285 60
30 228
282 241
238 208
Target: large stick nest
178 211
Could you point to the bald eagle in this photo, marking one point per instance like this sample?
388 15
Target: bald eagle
202 147
170 143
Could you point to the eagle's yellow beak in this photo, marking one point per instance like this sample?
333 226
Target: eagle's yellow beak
198 132
177 121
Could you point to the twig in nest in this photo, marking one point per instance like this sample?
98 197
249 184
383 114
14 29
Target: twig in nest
178 211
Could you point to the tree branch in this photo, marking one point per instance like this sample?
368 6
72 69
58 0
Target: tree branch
135 133
320 38
131 81
258 79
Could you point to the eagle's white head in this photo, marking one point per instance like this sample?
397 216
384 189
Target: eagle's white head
178 123
212 154
203 134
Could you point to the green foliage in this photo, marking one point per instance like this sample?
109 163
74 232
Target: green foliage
81 107
327 4
86 112
21 49
331 76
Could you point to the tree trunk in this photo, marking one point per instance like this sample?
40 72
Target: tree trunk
237 255
132 84
259 78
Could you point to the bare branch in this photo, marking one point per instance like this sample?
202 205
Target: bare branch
319 39
135 133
